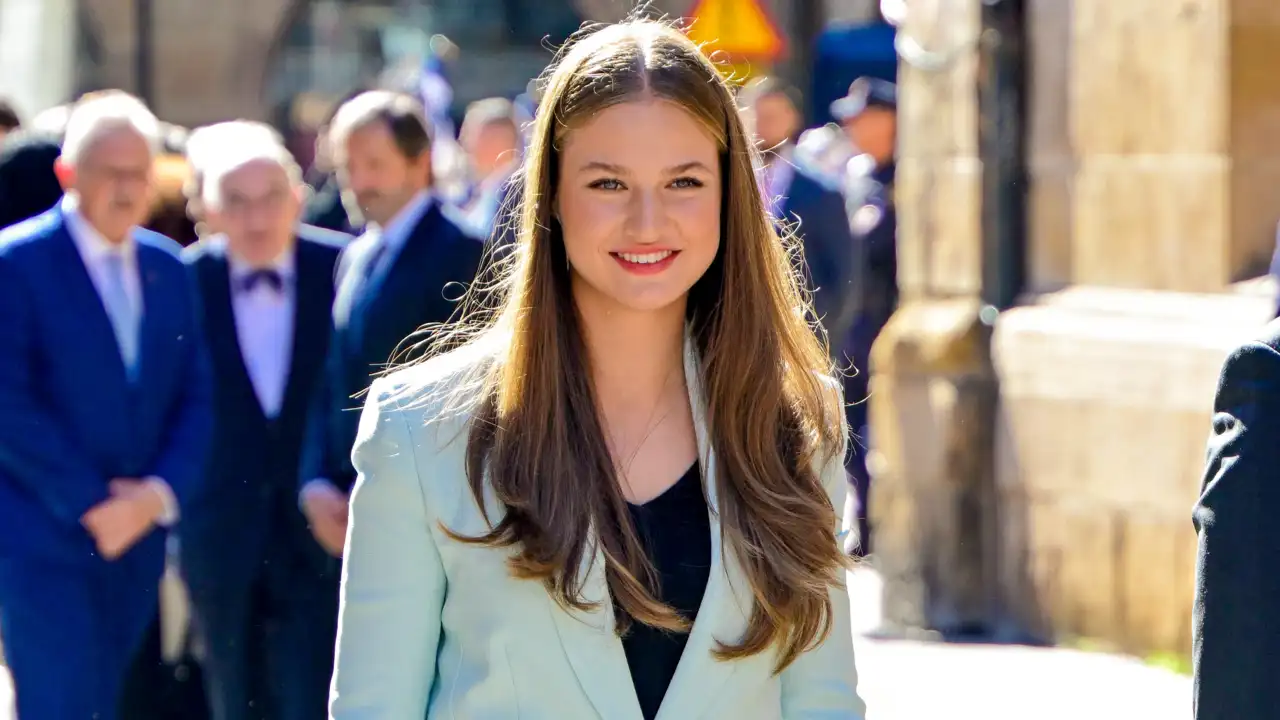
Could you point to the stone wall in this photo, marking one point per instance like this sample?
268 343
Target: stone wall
1105 401
1154 161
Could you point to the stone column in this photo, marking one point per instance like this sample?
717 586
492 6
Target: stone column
933 391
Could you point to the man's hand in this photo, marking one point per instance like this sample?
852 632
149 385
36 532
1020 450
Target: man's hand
118 522
326 509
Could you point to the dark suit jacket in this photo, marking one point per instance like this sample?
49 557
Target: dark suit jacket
373 315
71 418
1236 630
249 506
325 209
828 252
28 185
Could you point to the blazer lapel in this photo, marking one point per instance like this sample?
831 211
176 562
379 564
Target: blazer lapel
727 602
224 341
596 653
150 325
81 292
593 647
310 325
351 278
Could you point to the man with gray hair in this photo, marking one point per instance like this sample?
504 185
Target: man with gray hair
261 587
106 393
492 139
203 146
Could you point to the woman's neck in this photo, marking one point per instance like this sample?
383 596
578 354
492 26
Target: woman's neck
635 356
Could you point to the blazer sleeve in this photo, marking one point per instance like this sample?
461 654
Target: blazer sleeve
822 684
393 582
35 450
1236 617
182 461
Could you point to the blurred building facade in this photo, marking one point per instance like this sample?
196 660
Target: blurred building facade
252 58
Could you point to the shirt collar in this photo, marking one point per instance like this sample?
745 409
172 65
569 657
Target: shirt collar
284 264
396 231
90 242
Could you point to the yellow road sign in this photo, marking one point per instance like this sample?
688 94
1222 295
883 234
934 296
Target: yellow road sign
741 29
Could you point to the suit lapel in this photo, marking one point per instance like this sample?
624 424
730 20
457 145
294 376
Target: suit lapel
310 326
593 647
596 653
82 293
224 340
351 279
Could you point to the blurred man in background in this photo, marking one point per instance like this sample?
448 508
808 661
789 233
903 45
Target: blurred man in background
266 619
106 389
406 271
204 148
796 196
491 138
869 115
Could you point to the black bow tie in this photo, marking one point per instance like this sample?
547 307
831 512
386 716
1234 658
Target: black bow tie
270 277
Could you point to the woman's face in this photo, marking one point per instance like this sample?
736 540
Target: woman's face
639 202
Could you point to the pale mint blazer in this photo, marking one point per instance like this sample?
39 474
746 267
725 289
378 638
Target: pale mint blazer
430 627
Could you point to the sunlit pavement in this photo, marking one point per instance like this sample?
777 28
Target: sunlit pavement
908 680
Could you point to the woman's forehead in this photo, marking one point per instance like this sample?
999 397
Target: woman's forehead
648 131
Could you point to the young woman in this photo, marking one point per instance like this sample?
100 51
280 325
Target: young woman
613 499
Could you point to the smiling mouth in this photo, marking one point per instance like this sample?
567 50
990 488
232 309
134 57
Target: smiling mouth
646 263
646 258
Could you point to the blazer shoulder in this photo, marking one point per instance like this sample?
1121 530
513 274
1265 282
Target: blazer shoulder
22 237
443 385
324 238
166 246
200 253
467 229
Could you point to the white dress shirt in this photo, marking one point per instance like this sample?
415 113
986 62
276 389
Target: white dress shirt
264 327
393 236
96 252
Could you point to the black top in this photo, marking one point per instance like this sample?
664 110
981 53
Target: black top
675 528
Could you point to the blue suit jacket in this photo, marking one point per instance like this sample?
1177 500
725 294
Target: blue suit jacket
71 420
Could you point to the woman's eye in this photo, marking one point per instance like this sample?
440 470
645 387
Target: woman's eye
606 184
686 182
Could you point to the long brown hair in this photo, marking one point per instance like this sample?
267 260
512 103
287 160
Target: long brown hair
535 434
